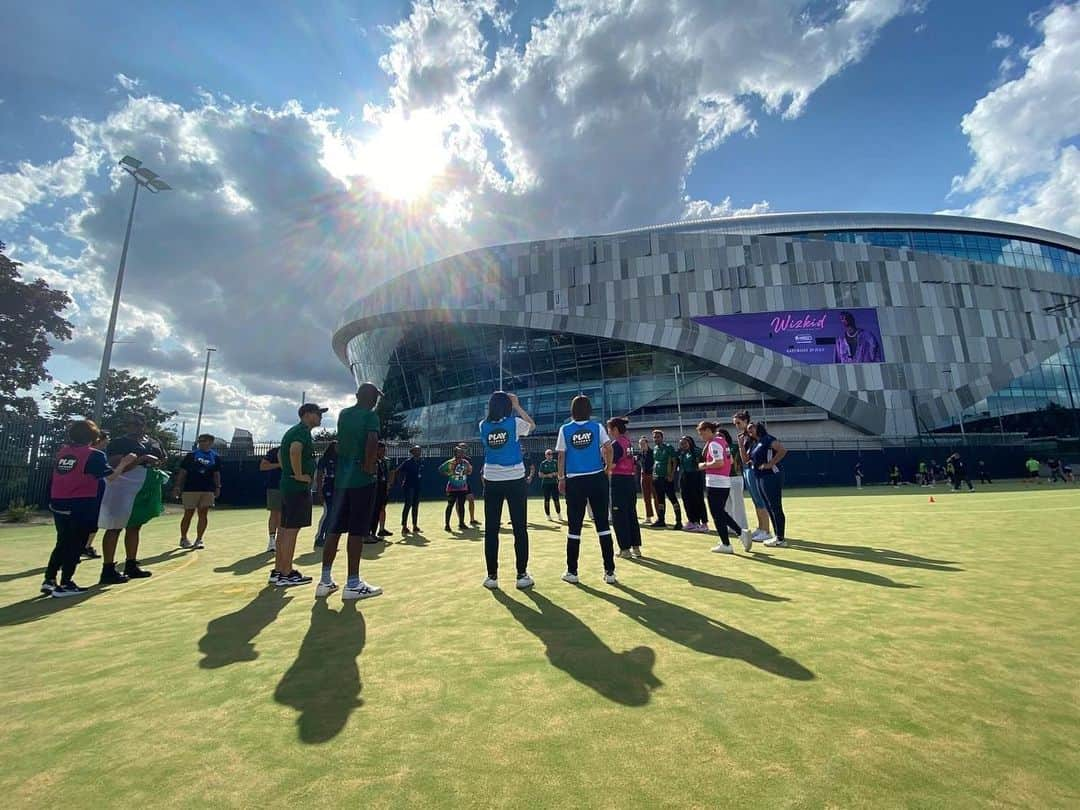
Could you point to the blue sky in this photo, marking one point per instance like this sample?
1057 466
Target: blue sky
456 123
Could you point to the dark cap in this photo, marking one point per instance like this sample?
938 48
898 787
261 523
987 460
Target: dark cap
311 407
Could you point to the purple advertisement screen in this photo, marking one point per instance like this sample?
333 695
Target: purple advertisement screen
814 336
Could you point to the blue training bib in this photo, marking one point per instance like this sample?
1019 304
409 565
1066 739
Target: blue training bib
582 448
500 442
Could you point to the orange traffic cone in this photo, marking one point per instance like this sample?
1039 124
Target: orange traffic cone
932 499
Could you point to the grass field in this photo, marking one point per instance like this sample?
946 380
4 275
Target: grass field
899 654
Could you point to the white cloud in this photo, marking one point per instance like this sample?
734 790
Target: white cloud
30 184
1002 41
1022 134
127 82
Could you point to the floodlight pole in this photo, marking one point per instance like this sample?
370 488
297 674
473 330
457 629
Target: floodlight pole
202 396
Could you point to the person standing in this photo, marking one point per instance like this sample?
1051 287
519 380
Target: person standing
959 473
325 478
410 473
1054 465
984 476
90 552
692 484
741 420
766 453
549 484
297 457
505 480
624 488
383 482
74 503
924 475
895 476
646 462
736 505
354 494
664 461
457 471
1032 465
858 475
584 449
131 499
716 465
198 485
270 466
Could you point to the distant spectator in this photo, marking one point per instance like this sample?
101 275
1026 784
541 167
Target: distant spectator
198 483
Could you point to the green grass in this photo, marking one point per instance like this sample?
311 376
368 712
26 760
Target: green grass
901 654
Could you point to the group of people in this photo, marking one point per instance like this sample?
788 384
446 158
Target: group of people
1059 469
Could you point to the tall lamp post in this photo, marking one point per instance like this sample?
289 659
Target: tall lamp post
202 396
144 178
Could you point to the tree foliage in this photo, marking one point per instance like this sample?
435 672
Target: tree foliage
125 393
30 313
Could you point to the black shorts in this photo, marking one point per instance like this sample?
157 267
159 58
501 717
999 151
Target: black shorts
295 510
352 510
1033 473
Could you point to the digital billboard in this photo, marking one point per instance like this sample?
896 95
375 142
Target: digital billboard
814 336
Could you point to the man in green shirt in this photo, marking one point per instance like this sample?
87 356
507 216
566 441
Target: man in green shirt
549 483
354 493
297 458
664 462
1033 466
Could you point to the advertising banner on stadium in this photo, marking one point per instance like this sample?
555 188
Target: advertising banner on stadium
813 336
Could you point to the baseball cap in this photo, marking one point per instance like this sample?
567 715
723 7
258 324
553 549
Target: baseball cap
311 407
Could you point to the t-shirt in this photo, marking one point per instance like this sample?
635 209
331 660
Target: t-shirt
328 467
411 471
354 425
200 468
139 445
382 473
297 433
493 470
272 478
1032 465
759 454
646 462
583 447
549 467
661 456
688 461
457 470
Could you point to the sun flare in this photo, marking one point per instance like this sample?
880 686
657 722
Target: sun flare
404 157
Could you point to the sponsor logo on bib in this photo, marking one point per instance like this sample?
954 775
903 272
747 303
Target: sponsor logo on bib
497 439
66 464
581 439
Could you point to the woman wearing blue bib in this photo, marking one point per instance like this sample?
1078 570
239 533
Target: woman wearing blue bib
584 449
504 480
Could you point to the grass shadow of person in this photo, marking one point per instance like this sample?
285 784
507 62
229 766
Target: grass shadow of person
29 572
626 678
698 632
714 582
885 556
417 540
230 638
247 565
850 574
323 683
310 558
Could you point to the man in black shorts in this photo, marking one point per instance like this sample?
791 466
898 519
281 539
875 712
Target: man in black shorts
297 457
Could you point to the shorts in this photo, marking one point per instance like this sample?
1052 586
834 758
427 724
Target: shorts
197 500
295 510
754 488
1033 473
352 509
273 500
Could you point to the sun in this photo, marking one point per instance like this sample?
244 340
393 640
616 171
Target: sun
404 156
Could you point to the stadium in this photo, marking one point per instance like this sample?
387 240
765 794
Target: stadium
841 325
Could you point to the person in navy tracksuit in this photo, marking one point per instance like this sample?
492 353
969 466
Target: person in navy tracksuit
584 449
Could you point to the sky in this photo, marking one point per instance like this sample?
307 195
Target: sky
316 150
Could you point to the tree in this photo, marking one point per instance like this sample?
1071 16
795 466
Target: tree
29 314
125 393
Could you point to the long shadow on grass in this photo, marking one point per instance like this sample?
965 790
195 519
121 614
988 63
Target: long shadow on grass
323 684
247 565
29 572
885 556
850 574
700 633
417 540
625 677
703 579
230 638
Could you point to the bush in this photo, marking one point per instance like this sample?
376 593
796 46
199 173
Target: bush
19 511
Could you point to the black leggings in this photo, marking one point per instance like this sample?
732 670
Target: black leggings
718 498
772 490
412 502
382 498
591 490
551 493
693 495
665 489
624 517
515 493
455 499
71 537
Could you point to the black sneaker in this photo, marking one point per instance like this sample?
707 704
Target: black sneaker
447 528
475 522
132 570
90 553
658 525
274 577
385 533
110 576
67 589
462 527
371 540
291 579
320 542
678 525
416 530
48 586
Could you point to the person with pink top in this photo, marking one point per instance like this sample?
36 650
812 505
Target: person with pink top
623 474
717 468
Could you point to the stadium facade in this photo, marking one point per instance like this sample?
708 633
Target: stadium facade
842 324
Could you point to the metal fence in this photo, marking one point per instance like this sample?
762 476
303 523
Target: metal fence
27 448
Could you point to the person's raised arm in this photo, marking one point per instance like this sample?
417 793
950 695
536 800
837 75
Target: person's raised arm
515 403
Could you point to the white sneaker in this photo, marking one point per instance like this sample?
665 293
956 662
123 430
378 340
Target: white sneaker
571 578
722 549
635 552
185 543
747 543
774 542
271 544
361 591
524 582
325 589
610 579
624 554
198 544
759 535
491 584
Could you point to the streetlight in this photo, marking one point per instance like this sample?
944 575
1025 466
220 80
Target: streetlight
202 396
147 179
